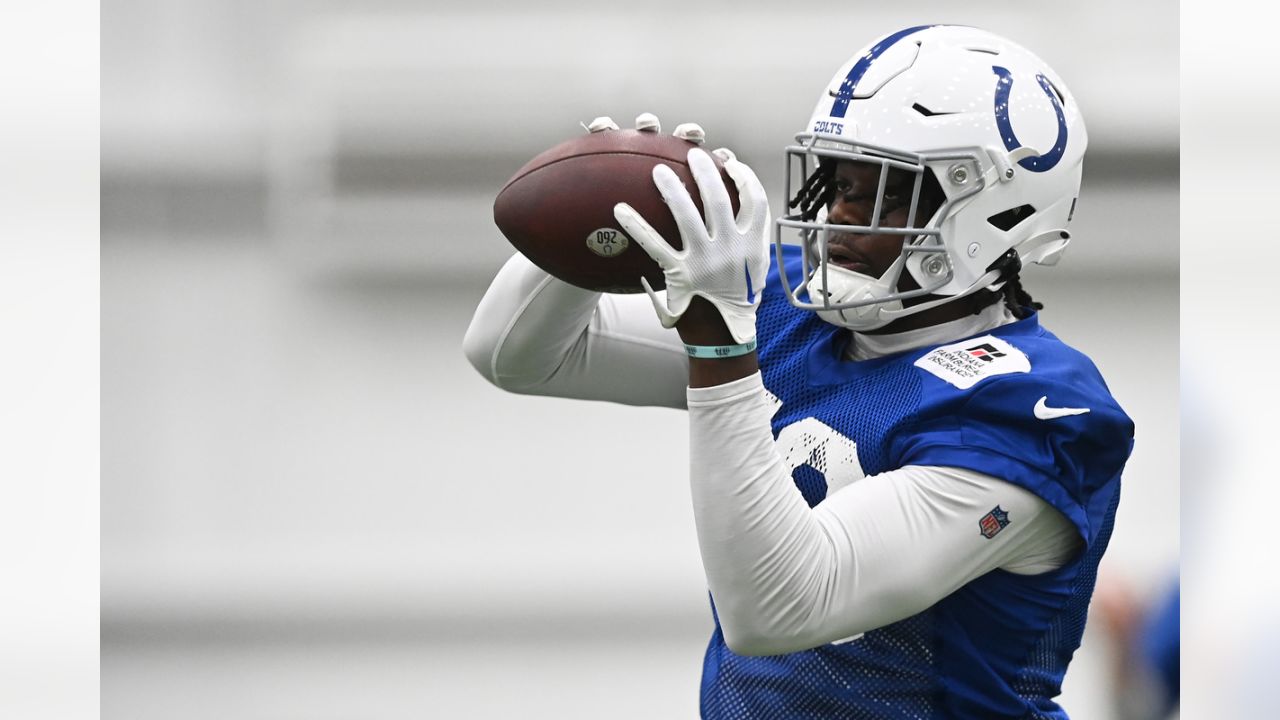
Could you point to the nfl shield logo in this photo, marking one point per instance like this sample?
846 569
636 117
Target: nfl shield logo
993 522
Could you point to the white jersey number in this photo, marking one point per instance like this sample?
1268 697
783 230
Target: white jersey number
816 444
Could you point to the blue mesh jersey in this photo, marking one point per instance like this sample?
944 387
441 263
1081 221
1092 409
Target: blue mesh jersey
998 647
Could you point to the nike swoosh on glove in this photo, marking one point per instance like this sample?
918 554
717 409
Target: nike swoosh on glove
724 259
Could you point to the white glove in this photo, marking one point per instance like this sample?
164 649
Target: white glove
724 260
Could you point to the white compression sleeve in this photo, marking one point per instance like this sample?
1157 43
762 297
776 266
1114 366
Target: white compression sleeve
534 334
785 577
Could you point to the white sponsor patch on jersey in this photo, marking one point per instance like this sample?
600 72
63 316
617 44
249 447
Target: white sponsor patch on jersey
964 364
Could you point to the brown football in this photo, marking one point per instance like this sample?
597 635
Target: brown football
558 209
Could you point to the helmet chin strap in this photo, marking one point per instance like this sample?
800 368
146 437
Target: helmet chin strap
858 287
1004 267
1044 248
877 315
992 277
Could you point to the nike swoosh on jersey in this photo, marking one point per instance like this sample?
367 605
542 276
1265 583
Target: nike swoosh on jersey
1044 412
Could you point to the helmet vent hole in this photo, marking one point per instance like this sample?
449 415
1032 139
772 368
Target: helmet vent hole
1056 91
1008 219
985 51
927 112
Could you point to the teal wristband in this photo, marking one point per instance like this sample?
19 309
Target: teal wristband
720 351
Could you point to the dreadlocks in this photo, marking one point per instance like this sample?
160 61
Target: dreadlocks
819 190
1015 298
1019 301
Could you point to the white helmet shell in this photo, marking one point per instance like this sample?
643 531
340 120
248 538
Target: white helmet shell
999 130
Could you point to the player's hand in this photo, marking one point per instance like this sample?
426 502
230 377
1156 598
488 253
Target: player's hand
724 259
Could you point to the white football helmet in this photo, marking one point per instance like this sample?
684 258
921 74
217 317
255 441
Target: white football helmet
1001 134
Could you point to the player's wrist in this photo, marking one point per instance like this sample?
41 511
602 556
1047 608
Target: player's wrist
724 359
709 373
701 324
720 352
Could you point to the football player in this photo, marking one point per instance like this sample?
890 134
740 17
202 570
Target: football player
902 482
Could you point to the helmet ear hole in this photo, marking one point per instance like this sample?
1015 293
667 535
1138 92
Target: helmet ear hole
1008 219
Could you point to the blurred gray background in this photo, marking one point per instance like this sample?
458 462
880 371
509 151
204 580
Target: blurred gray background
313 508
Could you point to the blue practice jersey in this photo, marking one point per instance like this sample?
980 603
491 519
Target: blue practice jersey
998 647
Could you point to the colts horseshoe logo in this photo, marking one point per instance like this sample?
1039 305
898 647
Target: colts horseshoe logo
1040 163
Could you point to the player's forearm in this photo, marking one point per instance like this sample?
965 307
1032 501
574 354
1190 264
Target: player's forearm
534 334
525 324
765 557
